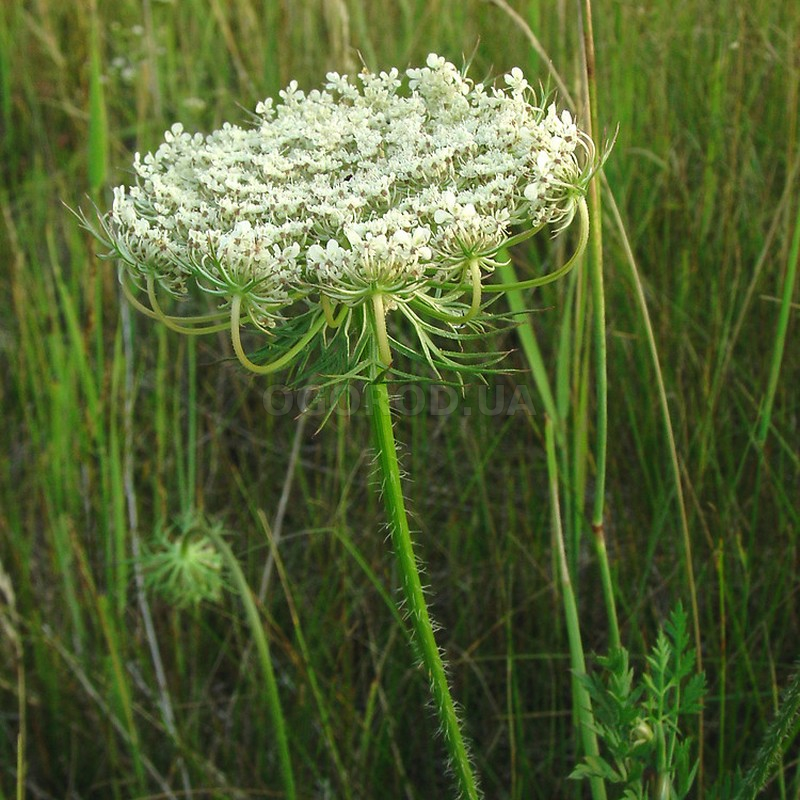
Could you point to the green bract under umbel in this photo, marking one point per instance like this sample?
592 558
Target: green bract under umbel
389 186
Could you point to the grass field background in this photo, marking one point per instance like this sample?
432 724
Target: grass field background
114 428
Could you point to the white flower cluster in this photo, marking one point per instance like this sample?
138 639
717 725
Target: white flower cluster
384 184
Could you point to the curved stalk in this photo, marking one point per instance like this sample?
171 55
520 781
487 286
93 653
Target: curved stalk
262 646
428 304
173 323
210 319
278 363
583 214
412 586
327 310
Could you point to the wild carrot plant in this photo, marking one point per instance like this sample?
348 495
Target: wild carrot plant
333 215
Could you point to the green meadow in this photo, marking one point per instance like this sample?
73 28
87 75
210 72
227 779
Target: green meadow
122 439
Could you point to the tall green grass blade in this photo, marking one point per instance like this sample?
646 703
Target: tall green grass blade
5 84
528 340
262 647
583 703
781 328
98 122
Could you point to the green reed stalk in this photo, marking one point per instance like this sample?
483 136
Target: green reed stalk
98 120
780 337
386 447
583 703
262 647
765 419
598 301
527 338
599 319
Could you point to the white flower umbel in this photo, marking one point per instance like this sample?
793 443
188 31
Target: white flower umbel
379 192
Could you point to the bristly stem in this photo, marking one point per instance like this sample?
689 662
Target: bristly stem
386 447
262 647
780 734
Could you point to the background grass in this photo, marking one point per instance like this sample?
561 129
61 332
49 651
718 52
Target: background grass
113 427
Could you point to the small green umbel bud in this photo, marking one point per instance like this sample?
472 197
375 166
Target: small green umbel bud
183 565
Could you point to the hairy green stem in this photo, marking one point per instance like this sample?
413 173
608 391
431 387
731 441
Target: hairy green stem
412 586
262 647
780 734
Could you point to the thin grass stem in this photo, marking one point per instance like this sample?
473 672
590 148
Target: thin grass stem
322 706
599 334
583 702
529 342
262 647
780 337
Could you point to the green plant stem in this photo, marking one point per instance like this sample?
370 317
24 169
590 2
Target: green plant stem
583 702
379 322
780 337
281 361
386 447
527 337
262 646
666 416
599 331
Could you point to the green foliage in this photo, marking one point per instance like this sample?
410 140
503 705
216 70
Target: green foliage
641 724
104 416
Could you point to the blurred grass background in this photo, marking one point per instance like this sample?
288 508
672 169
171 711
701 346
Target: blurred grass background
114 427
